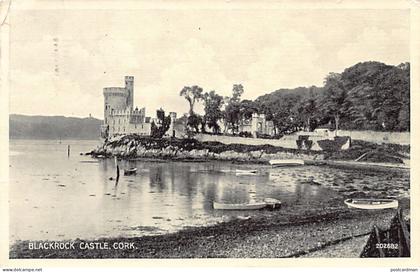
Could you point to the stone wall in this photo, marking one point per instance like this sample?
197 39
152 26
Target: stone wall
289 141
378 136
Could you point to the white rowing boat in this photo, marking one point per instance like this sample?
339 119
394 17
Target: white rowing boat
240 206
272 202
267 202
372 204
290 162
246 172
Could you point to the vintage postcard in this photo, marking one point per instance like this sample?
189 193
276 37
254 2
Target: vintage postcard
263 133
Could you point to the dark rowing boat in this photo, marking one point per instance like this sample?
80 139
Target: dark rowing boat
130 171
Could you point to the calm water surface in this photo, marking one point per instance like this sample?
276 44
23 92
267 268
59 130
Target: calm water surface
53 196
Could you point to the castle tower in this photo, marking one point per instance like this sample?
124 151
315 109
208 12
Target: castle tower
117 101
171 129
115 98
129 86
255 127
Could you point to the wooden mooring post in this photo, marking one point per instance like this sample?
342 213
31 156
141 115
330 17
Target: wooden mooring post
118 172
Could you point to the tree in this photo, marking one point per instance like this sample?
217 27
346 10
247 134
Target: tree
404 118
192 94
232 116
194 121
212 108
369 95
334 101
378 93
285 108
237 91
306 112
394 86
281 109
284 122
162 126
232 113
247 108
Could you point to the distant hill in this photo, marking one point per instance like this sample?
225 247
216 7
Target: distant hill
53 127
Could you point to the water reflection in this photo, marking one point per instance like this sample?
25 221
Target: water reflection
53 196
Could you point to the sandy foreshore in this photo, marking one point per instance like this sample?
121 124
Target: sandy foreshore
327 232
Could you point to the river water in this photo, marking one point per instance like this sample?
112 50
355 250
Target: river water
55 196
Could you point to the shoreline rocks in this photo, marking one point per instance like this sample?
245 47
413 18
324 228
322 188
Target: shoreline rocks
134 146
133 149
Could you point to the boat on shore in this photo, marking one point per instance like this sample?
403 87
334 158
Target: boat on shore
130 171
272 203
246 172
267 202
289 162
371 204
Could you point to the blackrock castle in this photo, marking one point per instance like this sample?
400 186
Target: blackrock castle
120 118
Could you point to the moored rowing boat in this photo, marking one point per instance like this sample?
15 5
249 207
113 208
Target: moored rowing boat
246 172
291 162
267 202
130 171
372 204
240 206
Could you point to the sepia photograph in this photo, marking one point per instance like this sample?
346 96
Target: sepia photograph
182 131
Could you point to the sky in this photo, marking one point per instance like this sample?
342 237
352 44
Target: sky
62 59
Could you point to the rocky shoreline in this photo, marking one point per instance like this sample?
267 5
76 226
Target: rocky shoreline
133 146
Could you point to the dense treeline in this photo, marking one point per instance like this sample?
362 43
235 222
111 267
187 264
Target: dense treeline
366 96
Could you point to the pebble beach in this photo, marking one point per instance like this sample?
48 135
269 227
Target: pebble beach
274 234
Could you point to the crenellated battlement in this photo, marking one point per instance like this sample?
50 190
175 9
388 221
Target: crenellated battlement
127 112
112 90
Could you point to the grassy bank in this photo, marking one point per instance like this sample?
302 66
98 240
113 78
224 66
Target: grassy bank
383 153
